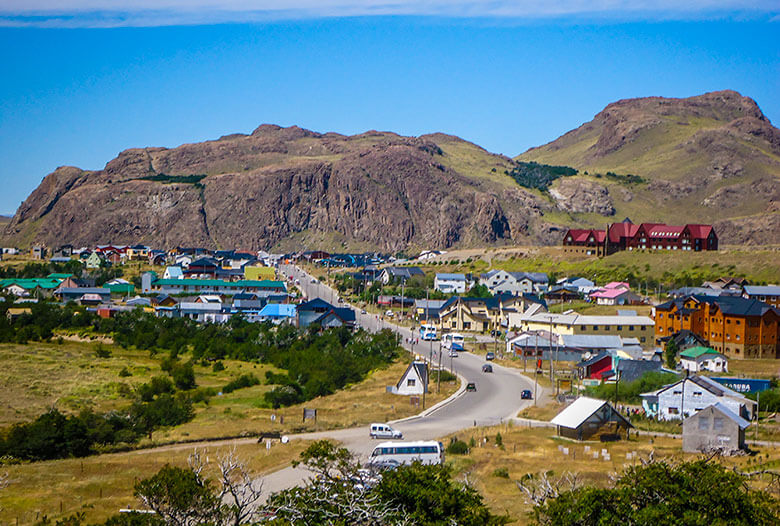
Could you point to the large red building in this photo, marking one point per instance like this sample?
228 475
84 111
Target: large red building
647 236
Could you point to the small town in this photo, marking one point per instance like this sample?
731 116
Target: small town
370 263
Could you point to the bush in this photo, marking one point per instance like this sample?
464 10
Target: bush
125 372
102 352
217 367
245 380
457 447
501 473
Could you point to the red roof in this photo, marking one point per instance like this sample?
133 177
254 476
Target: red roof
699 231
581 235
662 231
617 231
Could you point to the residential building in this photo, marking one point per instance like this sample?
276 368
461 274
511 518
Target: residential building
414 381
323 313
714 428
173 272
259 272
769 294
450 283
94 260
425 310
615 293
150 284
589 419
399 274
692 394
697 359
138 252
515 283
29 287
735 326
640 327
461 313
77 294
277 313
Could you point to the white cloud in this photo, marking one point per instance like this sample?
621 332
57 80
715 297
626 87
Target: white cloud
115 13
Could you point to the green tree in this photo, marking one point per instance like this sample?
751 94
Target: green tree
180 497
478 291
697 493
670 353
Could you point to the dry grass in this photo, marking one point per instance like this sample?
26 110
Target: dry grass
531 451
102 485
358 404
754 368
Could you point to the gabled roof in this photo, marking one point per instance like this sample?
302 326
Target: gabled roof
622 230
422 372
451 277
579 235
741 422
695 352
595 359
278 310
580 410
699 231
315 304
766 290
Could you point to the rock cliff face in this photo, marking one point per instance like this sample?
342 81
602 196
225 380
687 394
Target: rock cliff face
277 185
714 158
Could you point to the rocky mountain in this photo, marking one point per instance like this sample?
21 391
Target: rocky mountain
713 158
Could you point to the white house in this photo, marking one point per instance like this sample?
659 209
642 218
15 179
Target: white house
183 260
450 283
697 359
173 272
692 394
516 283
414 381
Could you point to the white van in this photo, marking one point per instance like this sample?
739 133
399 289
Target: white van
384 431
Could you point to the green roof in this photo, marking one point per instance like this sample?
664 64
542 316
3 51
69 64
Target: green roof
121 287
243 283
59 276
695 352
30 283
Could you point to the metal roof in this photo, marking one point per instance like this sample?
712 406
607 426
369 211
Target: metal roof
579 411
767 290
592 341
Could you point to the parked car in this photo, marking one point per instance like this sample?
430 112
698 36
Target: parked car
389 313
490 356
314 280
384 431
453 353
526 395
363 311
471 387
487 368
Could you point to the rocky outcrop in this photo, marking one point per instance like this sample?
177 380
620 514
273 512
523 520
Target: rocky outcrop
582 196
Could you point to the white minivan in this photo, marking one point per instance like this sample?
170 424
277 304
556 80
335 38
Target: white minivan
384 431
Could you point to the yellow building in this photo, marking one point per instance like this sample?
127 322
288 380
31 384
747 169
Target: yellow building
259 273
639 327
483 314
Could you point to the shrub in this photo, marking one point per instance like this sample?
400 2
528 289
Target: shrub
457 447
245 380
501 473
102 352
217 367
125 372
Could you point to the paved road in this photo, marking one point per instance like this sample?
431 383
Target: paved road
497 397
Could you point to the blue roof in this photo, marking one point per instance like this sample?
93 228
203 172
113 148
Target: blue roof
451 277
278 310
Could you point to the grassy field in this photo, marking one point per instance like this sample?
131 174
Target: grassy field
531 451
102 485
69 376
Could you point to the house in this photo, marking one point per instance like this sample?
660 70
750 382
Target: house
16 312
183 260
425 310
277 313
65 251
588 242
615 296
581 285
94 260
714 428
204 308
561 294
163 300
515 283
461 313
630 370
139 301
150 283
727 284
769 294
691 394
640 327
414 381
684 339
26 287
88 295
450 283
597 367
698 359
321 312
258 272
173 272
589 418
735 326
202 267
399 274
137 252
38 252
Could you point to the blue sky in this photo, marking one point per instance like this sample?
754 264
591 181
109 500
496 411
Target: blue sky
81 83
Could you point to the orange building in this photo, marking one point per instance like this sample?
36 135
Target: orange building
737 327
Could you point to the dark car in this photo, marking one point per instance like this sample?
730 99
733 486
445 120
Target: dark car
526 395
490 356
471 387
487 368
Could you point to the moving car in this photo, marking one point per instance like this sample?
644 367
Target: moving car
384 431
471 387
487 368
526 395
314 280
453 353
363 311
490 356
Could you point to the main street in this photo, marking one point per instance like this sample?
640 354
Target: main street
496 399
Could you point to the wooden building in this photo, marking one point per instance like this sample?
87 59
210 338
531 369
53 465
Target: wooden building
591 419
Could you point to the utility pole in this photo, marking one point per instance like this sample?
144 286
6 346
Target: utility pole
758 402
438 379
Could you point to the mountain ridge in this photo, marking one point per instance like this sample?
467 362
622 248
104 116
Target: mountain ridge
291 187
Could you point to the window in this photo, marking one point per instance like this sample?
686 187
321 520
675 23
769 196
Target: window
704 423
643 327
642 339
630 327
697 393
606 327
676 392
674 411
660 314
595 328
620 327
466 325
660 329
410 382
717 423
